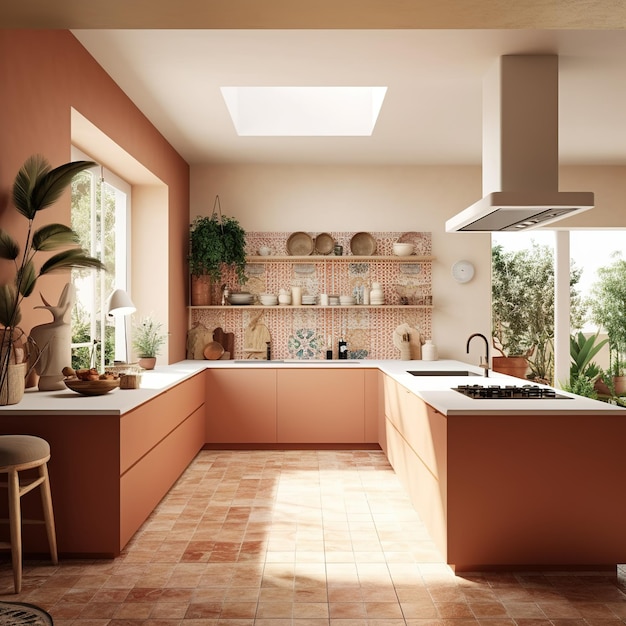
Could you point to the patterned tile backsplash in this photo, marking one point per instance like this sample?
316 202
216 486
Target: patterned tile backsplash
307 333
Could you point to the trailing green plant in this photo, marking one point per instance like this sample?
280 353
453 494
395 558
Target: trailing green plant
36 187
148 338
216 242
608 310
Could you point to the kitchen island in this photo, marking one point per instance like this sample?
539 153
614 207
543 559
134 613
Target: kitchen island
499 483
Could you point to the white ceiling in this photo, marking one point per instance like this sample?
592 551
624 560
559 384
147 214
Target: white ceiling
432 111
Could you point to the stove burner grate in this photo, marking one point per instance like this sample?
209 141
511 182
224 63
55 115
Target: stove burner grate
509 392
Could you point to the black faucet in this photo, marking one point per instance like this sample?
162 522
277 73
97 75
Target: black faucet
484 365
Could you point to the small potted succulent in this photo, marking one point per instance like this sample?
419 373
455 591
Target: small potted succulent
148 341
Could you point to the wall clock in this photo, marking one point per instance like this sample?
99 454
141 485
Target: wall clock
463 271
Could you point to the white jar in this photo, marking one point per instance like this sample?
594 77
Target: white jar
376 294
429 351
296 296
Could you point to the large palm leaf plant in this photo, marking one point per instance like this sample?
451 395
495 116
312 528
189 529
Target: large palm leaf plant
36 187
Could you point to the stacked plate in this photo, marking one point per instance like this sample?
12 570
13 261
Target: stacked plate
308 299
241 297
333 300
346 300
268 299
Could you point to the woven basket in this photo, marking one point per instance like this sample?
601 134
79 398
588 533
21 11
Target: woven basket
12 390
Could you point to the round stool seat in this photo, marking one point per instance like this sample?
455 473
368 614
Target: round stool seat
19 449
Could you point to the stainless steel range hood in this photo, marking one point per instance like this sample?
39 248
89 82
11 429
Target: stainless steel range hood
520 151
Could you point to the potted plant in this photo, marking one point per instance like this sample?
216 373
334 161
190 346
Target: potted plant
36 187
215 243
584 372
148 341
608 310
522 304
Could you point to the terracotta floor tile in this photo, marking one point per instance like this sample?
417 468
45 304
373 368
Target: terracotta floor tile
300 538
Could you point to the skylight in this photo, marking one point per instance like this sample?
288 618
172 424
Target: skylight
304 111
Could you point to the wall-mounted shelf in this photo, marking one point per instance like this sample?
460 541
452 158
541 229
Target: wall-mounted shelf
316 306
293 329
319 258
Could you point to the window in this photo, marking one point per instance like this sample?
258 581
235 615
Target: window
100 212
589 251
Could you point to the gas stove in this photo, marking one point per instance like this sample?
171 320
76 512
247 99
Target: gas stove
509 392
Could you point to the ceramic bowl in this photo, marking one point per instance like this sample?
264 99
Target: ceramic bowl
403 249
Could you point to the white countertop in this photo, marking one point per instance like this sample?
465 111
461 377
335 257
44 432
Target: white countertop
435 390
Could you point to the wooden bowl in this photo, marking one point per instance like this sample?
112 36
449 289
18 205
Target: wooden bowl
363 244
300 244
92 387
213 351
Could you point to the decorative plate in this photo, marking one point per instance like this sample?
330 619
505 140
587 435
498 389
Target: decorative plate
363 244
300 244
92 387
324 243
417 239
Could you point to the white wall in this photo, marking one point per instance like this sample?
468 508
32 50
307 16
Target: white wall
354 198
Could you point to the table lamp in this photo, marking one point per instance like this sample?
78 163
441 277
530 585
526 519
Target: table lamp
120 305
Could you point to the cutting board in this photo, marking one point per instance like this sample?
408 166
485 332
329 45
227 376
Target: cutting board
415 340
197 338
256 337
227 340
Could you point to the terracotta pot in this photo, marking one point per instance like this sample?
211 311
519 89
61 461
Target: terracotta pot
601 387
619 384
147 362
510 365
200 291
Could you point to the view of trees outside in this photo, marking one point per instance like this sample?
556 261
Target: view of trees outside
590 251
94 222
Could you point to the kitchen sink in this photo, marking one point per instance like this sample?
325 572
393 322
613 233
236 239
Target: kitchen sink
258 361
442 373
302 361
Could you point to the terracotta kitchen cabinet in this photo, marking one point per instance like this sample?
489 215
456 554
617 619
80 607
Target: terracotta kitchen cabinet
108 471
416 442
241 406
321 405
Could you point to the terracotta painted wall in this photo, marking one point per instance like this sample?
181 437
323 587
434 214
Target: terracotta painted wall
43 74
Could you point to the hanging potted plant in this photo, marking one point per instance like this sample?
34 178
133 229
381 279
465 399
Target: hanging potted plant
148 341
35 188
215 243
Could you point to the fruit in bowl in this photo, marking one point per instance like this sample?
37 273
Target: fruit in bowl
89 382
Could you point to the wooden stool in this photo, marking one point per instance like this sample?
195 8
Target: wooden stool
19 453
